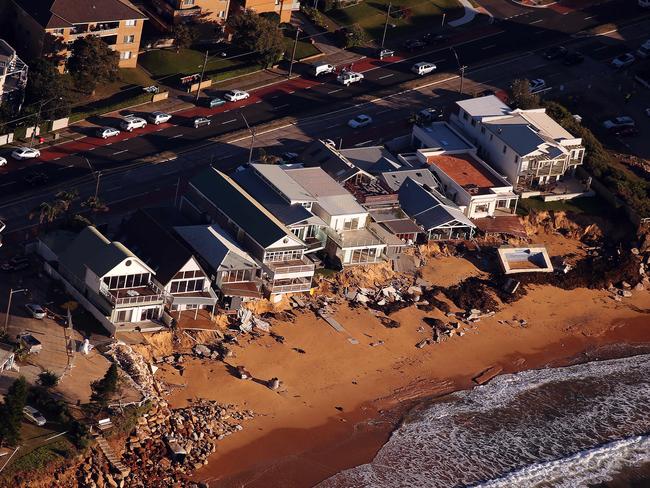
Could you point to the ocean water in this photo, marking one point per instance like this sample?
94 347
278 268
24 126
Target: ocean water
570 427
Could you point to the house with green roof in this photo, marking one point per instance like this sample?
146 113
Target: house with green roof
112 283
214 198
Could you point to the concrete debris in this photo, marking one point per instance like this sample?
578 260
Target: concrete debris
273 383
422 343
378 343
261 324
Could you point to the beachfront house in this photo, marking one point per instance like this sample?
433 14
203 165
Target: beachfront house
526 146
105 277
212 197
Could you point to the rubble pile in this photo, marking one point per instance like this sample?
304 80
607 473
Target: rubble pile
134 365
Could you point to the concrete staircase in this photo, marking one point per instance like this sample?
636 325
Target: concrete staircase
112 457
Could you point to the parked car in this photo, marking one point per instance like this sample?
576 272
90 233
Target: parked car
644 50
34 415
413 44
536 85
35 310
428 115
25 153
555 52
360 121
348 77
623 60
3 161
617 122
289 156
131 122
385 53
159 117
201 122
434 38
106 132
423 68
212 102
236 95
573 58
322 68
36 178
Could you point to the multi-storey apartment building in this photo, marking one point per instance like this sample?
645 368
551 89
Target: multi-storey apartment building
284 8
45 26
180 11
13 76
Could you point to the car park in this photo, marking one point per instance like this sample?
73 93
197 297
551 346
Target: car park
25 153
159 117
555 52
106 132
212 102
35 310
623 60
34 415
360 121
201 122
423 68
236 95
617 122
573 58
3 161
348 77
536 85
322 68
413 44
131 122
385 53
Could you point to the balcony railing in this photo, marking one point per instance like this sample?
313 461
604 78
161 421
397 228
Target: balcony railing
293 266
147 294
295 287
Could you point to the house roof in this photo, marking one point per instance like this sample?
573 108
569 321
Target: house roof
372 160
156 245
331 196
441 136
467 171
429 208
276 177
394 179
91 249
322 155
216 248
240 207
265 194
489 106
52 14
520 135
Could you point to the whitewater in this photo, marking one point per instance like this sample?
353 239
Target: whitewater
557 427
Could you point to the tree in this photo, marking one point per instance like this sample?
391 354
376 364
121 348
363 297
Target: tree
46 83
184 36
64 200
520 95
104 389
92 62
11 411
95 205
48 379
257 34
47 213
353 36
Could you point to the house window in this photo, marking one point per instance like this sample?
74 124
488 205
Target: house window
130 23
491 136
123 315
188 3
58 32
186 286
125 54
505 148
516 159
473 122
130 39
351 224
222 14
465 116
482 130
482 208
149 314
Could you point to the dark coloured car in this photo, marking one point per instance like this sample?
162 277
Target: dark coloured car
434 38
212 102
555 52
414 44
573 58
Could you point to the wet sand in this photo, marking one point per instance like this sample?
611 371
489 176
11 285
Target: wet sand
340 401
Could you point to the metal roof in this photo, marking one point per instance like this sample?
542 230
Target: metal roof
395 179
322 155
278 178
440 135
372 160
488 106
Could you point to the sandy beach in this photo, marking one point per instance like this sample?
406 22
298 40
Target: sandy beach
339 401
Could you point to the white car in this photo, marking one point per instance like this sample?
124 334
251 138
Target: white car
360 121
34 415
159 117
35 310
131 122
623 60
25 153
423 68
536 85
622 121
236 95
348 77
3 161
106 132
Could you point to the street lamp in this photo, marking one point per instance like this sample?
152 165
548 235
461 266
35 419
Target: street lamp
97 174
11 294
293 53
38 117
461 68
250 149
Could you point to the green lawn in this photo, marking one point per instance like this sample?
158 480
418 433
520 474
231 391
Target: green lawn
371 16
585 205
303 49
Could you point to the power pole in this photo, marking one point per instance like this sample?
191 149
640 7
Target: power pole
442 25
383 37
462 77
198 89
293 53
11 294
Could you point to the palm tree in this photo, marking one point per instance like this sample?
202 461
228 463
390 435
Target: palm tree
95 205
65 198
47 213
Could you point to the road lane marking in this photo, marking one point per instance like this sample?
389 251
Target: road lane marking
385 111
332 126
282 106
386 76
335 91
540 32
489 47
362 143
176 136
8 183
120 152
56 159
259 101
292 92
537 21
92 148
162 128
229 121
225 157
590 17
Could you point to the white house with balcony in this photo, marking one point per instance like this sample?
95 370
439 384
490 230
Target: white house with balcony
111 282
13 76
212 197
526 146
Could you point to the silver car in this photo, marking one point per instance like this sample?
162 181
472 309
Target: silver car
34 415
35 310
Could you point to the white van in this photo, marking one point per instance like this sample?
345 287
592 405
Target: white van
348 77
318 69
423 68
131 122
